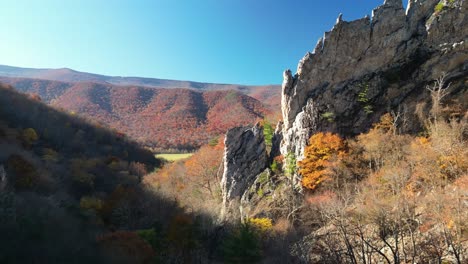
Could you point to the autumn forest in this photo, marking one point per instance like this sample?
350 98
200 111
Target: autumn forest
360 156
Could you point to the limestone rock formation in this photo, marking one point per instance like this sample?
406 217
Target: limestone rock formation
357 72
254 197
245 157
364 68
276 141
304 126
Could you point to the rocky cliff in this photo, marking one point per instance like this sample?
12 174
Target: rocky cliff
245 157
357 72
364 68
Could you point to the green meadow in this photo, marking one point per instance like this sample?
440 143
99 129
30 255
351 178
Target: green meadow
173 157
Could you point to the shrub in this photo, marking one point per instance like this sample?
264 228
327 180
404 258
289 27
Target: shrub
329 116
262 225
268 133
151 237
50 155
363 98
263 177
274 166
291 166
90 203
213 142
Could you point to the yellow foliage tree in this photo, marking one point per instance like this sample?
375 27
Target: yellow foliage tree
323 151
29 136
50 155
90 203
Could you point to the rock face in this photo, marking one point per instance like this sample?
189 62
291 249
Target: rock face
364 68
276 141
245 157
3 179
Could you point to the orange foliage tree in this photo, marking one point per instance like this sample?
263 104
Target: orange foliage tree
204 166
322 153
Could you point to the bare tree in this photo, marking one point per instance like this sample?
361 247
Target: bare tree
438 92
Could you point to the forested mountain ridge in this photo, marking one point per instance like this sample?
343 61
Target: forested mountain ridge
69 75
268 94
178 119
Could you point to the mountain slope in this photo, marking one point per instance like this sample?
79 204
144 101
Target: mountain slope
58 179
163 118
268 94
160 118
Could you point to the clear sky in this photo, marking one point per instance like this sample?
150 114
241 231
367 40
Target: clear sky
222 41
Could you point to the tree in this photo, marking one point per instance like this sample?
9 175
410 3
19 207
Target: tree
323 151
202 168
438 92
242 246
138 169
268 133
382 145
26 174
125 247
290 166
182 235
29 136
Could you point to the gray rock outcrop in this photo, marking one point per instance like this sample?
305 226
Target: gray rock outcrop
245 157
387 59
3 179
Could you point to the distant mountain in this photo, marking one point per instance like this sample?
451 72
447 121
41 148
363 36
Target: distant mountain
160 118
268 94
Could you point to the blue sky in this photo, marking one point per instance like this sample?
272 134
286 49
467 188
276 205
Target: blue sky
222 41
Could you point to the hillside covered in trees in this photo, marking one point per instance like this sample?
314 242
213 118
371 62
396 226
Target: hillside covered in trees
71 192
177 119
65 184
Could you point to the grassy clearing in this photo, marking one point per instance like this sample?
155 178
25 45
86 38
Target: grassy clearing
173 157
